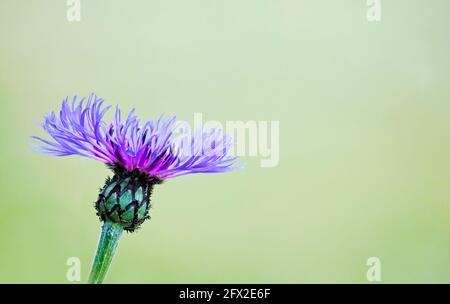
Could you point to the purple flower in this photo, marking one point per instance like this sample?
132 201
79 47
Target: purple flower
156 148
141 156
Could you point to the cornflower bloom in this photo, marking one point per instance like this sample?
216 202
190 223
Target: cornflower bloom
140 156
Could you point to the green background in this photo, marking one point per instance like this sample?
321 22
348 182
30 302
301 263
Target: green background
364 138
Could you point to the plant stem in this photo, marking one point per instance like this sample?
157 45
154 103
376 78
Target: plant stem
107 245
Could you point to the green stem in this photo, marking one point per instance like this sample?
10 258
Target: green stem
107 245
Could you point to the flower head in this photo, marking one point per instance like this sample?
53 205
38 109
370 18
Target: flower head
152 148
141 155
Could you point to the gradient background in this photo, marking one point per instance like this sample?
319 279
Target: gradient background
364 146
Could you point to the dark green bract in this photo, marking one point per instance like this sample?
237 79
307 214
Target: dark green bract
125 199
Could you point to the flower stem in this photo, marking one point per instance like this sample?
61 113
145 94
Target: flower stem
107 245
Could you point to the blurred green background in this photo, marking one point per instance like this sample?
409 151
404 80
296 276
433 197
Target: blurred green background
364 138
